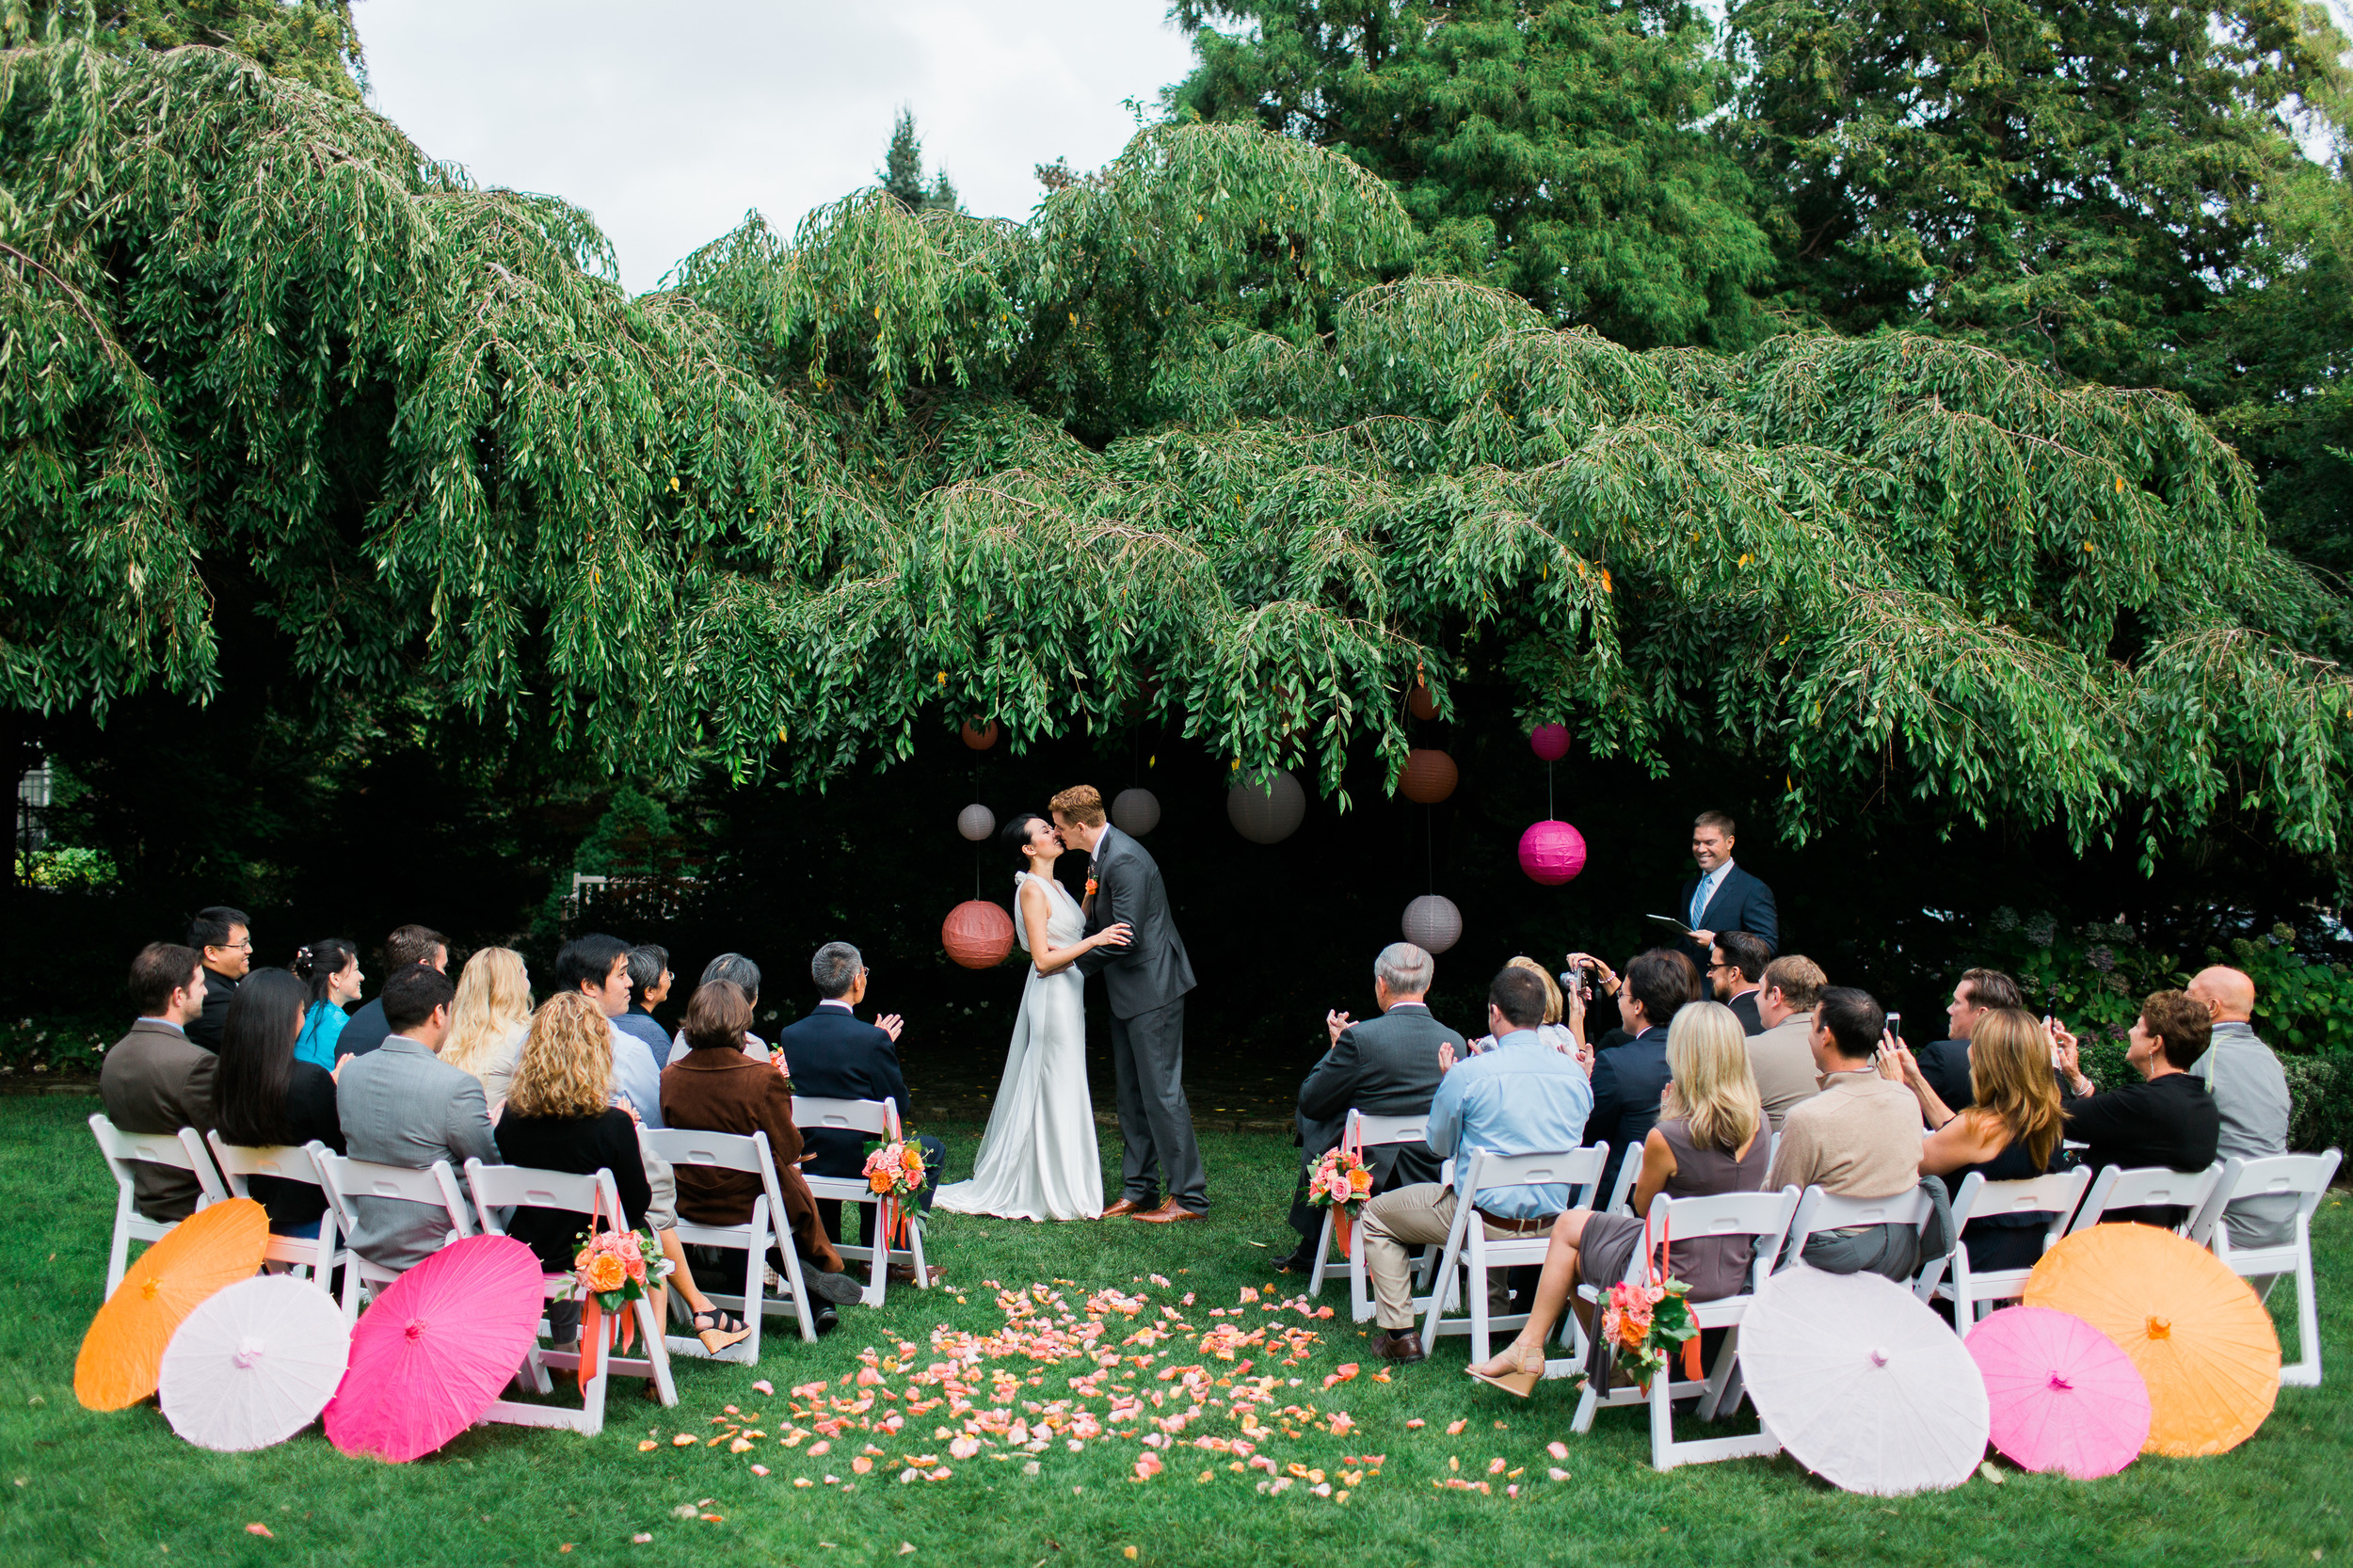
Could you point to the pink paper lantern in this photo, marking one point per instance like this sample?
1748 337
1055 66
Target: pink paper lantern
977 934
1551 742
1552 853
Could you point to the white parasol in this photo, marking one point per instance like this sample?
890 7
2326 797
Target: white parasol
254 1363
1862 1384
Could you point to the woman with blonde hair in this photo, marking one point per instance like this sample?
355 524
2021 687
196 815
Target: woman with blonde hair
560 1117
1710 1138
2012 1133
488 1021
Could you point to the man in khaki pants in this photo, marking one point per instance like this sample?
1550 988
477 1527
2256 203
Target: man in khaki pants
1520 1097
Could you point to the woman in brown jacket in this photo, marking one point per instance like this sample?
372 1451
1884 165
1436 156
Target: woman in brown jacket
715 1088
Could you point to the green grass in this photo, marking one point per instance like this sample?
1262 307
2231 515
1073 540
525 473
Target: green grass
120 1488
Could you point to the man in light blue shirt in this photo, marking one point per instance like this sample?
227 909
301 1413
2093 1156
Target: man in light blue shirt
1520 1097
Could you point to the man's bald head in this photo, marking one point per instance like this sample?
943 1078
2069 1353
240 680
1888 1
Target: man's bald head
2228 994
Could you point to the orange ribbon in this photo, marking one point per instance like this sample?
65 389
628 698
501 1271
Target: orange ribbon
591 1337
1343 1227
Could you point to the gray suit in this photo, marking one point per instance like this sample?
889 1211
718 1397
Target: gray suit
401 1105
2251 1093
1145 983
158 1080
1384 1066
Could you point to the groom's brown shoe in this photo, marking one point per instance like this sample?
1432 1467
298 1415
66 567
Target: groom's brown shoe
1124 1207
1170 1212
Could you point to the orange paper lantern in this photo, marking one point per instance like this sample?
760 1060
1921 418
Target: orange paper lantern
977 934
1429 775
980 737
1418 702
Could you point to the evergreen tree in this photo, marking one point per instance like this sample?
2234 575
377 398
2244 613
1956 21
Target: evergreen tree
901 174
305 40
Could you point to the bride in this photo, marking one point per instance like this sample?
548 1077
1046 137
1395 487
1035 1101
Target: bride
1038 1158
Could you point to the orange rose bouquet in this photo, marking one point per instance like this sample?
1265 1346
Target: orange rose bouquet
895 1171
612 1269
1342 1182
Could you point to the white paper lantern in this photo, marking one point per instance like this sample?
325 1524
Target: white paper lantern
976 822
1136 812
1266 807
1432 923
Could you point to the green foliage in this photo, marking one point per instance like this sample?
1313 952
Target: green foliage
64 867
314 41
2301 1004
901 174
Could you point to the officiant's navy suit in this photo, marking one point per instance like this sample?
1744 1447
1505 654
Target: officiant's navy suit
1739 902
1145 983
833 1054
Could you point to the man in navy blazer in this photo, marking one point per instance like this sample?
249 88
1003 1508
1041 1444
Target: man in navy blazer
1628 1078
831 1054
1722 896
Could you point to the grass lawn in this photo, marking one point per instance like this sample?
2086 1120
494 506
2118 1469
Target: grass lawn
81 1487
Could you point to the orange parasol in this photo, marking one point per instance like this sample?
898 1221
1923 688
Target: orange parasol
212 1249
2203 1342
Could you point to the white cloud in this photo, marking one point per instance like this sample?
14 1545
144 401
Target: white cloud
669 122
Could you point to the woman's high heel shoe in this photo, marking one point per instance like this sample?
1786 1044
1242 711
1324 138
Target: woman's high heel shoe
1528 1364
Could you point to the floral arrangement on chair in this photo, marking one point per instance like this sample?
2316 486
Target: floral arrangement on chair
1342 1182
1644 1324
895 1171
612 1269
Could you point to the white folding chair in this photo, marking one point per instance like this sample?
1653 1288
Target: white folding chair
875 1119
347 1180
2150 1186
182 1150
1818 1212
728 1151
2306 1178
1974 1292
1764 1217
1363 1132
502 1187
1467 1241
1621 1189
319 1256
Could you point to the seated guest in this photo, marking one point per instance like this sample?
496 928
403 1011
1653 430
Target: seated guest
1628 1078
156 1078
597 967
2251 1095
1859 1138
561 1116
835 1056
1600 983
2167 1120
401 1104
648 988
717 1088
1710 1139
1563 1029
1384 1066
1521 1097
743 975
1781 1057
2007 1129
1944 1064
262 1096
331 969
1736 969
225 938
488 1021
410 944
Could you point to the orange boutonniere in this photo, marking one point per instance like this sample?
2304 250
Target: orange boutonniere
1090 887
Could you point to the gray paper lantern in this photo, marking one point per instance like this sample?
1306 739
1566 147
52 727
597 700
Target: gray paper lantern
1136 812
976 822
1432 923
1266 807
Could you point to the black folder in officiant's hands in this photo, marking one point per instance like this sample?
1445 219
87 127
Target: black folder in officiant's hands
1670 919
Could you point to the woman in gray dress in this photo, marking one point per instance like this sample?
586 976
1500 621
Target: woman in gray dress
1711 1138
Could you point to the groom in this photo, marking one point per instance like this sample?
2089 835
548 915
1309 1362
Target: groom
1146 981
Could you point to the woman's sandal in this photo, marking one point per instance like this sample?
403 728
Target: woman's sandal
718 1330
1526 1374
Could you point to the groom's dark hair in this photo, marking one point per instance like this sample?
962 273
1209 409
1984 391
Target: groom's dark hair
1082 803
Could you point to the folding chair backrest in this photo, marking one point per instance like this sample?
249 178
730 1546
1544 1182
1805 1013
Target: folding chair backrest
285 1162
182 1150
1619 1198
2149 1187
1577 1169
347 1179
496 1187
1370 1132
1765 1216
2056 1195
2305 1175
875 1119
719 1151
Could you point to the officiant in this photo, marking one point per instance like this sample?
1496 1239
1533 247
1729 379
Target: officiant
1722 896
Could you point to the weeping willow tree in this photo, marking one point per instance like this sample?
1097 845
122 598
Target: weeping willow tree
1193 445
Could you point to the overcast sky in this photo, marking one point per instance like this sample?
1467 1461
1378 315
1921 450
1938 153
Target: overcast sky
669 122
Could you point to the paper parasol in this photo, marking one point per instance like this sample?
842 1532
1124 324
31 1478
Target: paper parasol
254 1365
210 1249
2064 1398
1862 1384
435 1349
2203 1343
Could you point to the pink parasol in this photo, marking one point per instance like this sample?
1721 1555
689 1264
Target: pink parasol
435 1349
2064 1398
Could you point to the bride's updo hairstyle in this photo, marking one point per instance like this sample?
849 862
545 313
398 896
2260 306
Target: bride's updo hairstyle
1015 836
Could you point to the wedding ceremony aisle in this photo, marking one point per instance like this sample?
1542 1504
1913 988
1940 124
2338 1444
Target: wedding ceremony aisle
846 1451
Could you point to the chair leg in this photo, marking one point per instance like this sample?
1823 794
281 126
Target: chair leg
1587 1403
1723 1379
915 1245
755 1291
1475 1284
1662 1420
119 1254
2305 1370
1323 1252
657 1352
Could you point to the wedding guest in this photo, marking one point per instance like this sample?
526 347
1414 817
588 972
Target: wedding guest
743 975
225 938
717 1088
2007 1129
488 1021
1629 1078
1722 896
264 1095
406 945
2169 1119
1781 1057
597 967
1383 1066
155 1079
1859 1138
1945 1062
648 988
1736 969
1521 1097
1563 1029
1710 1139
2251 1095
401 1104
331 969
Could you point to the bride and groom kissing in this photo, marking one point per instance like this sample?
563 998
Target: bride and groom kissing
1038 1158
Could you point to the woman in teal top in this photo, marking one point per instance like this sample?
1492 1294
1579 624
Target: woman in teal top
332 969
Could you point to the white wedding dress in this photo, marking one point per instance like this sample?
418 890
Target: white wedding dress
1038 1158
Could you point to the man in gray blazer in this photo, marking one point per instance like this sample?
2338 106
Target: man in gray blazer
156 1078
401 1105
1384 1066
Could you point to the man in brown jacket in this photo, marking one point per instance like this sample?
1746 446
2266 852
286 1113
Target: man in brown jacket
1781 1057
156 1078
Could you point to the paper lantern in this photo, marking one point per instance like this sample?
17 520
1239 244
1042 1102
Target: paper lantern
1552 853
1418 702
981 737
1429 775
977 934
1266 807
1136 812
1432 923
976 822
1549 742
